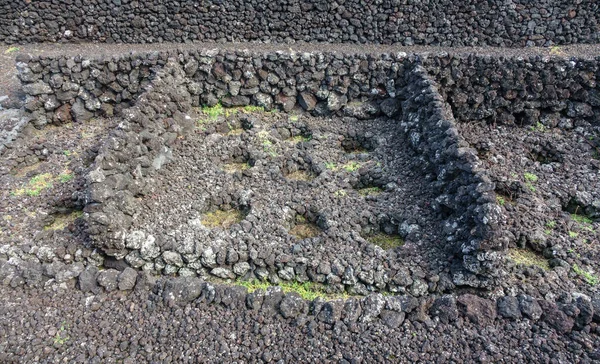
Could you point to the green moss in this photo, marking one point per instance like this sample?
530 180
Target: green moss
584 220
551 224
63 220
331 166
36 185
266 143
300 175
222 218
235 167
11 50
588 277
528 258
385 241
304 229
213 112
530 177
370 191
351 166
253 108
300 138
340 193
66 177
307 290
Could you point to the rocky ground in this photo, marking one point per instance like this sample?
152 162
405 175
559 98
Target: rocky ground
323 189
46 318
547 181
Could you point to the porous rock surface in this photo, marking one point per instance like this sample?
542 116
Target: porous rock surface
437 22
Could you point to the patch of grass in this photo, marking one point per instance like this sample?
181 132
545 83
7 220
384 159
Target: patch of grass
530 179
573 234
235 167
222 218
538 127
588 277
267 144
370 191
11 50
300 175
331 166
36 185
304 229
501 200
557 51
253 108
300 138
61 336
294 118
340 193
551 224
213 112
63 220
580 219
385 241
307 290
66 177
351 166
528 258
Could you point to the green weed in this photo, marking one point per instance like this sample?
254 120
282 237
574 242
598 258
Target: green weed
370 191
61 336
588 277
65 177
530 179
551 224
501 200
35 186
331 166
385 241
213 112
307 290
573 234
528 258
351 166
340 193
11 50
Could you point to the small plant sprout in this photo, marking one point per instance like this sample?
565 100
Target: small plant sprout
61 336
530 179
35 186
538 127
267 144
253 108
66 176
551 224
501 200
331 166
351 166
573 234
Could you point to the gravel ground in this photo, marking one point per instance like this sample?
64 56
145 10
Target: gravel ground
68 326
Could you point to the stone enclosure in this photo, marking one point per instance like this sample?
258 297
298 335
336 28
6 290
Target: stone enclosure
313 155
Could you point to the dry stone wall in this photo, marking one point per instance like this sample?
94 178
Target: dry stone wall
514 23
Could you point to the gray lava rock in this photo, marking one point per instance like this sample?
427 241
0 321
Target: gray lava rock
223 273
182 289
307 101
586 312
330 312
390 106
529 307
392 319
292 306
68 272
79 112
445 309
87 280
127 279
508 307
241 268
108 279
371 307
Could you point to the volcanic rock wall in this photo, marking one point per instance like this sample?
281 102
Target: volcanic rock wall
437 22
